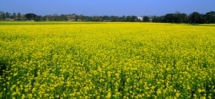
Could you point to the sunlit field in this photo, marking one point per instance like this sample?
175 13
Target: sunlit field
60 60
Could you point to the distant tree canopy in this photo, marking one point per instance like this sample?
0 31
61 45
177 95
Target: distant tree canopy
210 17
30 16
193 18
2 15
146 19
177 17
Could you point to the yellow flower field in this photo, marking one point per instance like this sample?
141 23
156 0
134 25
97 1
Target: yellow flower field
106 60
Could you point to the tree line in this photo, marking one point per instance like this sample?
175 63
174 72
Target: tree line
194 17
176 17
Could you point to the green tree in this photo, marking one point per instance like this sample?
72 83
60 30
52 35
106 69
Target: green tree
2 15
54 17
76 18
19 16
128 18
96 18
30 16
63 17
81 17
183 17
210 17
169 18
202 18
195 17
14 15
122 18
133 18
105 18
7 15
180 17
38 18
146 19
114 18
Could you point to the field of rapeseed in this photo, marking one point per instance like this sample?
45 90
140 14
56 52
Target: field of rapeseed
106 60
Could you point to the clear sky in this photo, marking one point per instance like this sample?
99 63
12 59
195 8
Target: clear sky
106 7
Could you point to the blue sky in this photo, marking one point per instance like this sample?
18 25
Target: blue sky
106 7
